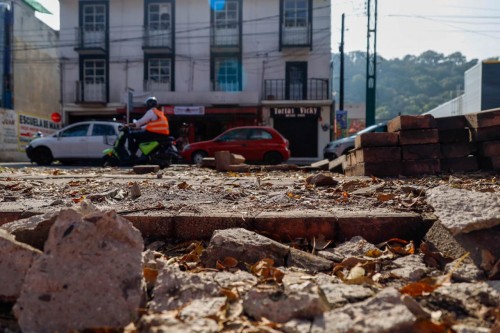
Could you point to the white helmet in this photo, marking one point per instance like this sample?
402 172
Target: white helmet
151 102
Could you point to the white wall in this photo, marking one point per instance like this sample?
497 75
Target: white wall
472 88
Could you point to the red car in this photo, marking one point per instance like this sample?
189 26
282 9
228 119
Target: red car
254 143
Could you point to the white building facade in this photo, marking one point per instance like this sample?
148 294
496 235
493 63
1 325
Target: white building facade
212 64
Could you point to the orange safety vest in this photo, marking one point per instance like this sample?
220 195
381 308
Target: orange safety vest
160 125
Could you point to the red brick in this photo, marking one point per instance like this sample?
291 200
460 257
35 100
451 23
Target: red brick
388 169
489 148
460 164
451 123
421 167
376 140
454 150
455 136
421 152
484 119
411 122
486 133
378 154
418 137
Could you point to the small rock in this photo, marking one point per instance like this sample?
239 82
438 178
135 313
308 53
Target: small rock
355 247
412 267
321 180
168 322
135 191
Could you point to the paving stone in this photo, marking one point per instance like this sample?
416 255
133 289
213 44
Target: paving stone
451 123
89 276
462 135
417 152
153 227
15 260
455 150
418 137
407 122
460 164
489 148
143 169
486 133
394 168
184 224
383 313
484 119
421 167
374 227
376 140
378 154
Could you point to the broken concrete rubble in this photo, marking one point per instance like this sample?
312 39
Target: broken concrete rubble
15 260
90 275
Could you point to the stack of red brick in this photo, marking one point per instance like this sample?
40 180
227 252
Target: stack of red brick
416 145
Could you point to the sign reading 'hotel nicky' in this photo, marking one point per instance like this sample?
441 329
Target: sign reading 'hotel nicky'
300 112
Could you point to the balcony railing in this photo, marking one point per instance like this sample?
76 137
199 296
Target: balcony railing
315 89
87 92
93 41
296 36
156 86
157 38
222 37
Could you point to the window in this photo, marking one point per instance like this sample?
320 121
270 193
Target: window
79 130
94 17
159 70
227 74
259 134
94 71
226 15
102 130
236 135
159 16
296 13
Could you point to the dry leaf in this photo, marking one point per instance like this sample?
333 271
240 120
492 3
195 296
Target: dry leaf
383 197
183 186
150 274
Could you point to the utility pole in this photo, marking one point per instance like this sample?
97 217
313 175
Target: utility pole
371 62
341 49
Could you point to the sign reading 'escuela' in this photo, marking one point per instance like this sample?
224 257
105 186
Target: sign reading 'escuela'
300 112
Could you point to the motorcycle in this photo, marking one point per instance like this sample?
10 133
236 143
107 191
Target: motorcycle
159 152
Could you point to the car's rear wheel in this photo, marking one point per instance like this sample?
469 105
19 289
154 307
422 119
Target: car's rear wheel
198 156
42 156
273 157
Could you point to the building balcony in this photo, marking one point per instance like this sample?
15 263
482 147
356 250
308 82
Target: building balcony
90 92
157 40
296 36
225 39
312 89
91 42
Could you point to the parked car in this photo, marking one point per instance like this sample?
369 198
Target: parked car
254 143
83 141
340 147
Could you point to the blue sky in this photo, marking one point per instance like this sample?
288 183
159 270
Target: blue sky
406 26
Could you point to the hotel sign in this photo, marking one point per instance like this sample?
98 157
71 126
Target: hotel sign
301 112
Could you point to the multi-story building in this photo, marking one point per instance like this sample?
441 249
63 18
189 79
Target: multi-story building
29 86
212 64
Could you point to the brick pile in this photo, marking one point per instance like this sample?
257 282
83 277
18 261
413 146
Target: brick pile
485 130
416 145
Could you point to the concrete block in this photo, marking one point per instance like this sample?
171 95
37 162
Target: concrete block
222 160
460 164
378 154
454 150
481 119
376 140
418 137
411 123
322 165
451 123
237 159
461 135
421 167
208 162
337 163
420 152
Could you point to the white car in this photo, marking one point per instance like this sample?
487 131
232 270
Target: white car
83 141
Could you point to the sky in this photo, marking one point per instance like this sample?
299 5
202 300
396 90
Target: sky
404 27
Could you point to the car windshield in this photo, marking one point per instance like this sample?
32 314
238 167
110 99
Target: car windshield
368 129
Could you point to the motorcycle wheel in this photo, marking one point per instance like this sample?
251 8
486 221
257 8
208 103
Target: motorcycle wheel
110 161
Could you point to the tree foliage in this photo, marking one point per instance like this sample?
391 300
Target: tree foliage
408 85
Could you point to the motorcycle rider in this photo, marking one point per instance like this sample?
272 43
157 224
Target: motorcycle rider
152 126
